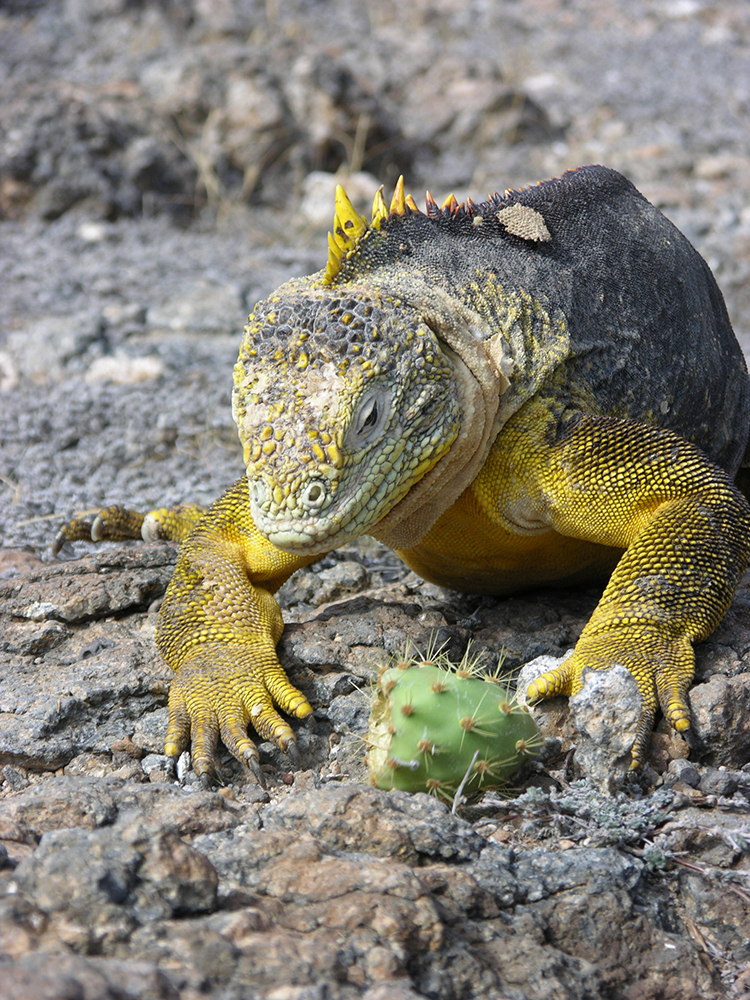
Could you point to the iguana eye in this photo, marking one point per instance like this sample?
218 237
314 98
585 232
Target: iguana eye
370 418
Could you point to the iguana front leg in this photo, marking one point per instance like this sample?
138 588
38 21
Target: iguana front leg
686 532
218 629
218 624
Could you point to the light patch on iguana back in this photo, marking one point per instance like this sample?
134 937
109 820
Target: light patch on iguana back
524 222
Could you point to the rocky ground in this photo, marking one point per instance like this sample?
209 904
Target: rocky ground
162 166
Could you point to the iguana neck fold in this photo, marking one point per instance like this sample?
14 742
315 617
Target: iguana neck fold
480 382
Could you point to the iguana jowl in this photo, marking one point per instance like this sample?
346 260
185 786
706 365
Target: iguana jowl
542 388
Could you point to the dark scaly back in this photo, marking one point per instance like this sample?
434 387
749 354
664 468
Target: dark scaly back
650 333
650 338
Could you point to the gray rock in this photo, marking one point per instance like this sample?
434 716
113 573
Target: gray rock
149 730
155 762
605 715
60 803
396 824
15 777
172 871
51 344
82 880
684 771
73 977
120 119
715 781
720 719
350 712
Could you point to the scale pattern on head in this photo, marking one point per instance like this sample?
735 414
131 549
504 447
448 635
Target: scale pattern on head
304 361
343 398
344 395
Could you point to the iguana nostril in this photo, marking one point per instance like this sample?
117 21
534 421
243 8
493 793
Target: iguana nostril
314 495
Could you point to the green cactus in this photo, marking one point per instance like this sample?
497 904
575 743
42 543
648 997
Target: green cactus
434 724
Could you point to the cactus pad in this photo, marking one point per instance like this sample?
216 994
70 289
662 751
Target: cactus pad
434 724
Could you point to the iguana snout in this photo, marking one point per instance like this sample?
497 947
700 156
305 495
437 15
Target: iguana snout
342 404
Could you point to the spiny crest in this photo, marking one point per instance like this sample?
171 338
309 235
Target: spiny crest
350 228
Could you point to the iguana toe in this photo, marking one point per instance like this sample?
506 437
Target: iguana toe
285 695
255 767
292 753
672 692
77 530
116 524
235 739
642 740
552 683
204 743
177 738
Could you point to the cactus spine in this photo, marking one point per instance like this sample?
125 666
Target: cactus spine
434 724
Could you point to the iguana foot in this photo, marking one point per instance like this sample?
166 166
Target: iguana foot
119 524
662 666
221 689
115 524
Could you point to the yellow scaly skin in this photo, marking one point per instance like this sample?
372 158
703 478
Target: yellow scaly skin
219 610
655 495
356 389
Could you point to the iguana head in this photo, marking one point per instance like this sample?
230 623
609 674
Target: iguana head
344 398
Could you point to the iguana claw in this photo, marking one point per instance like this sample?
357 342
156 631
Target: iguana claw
292 753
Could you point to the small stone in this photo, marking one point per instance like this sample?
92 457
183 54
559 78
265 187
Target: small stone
685 772
92 232
714 781
16 777
502 836
664 747
126 746
121 369
182 767
155 762
605 715
90 763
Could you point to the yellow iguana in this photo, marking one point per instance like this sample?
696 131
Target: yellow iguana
544 387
